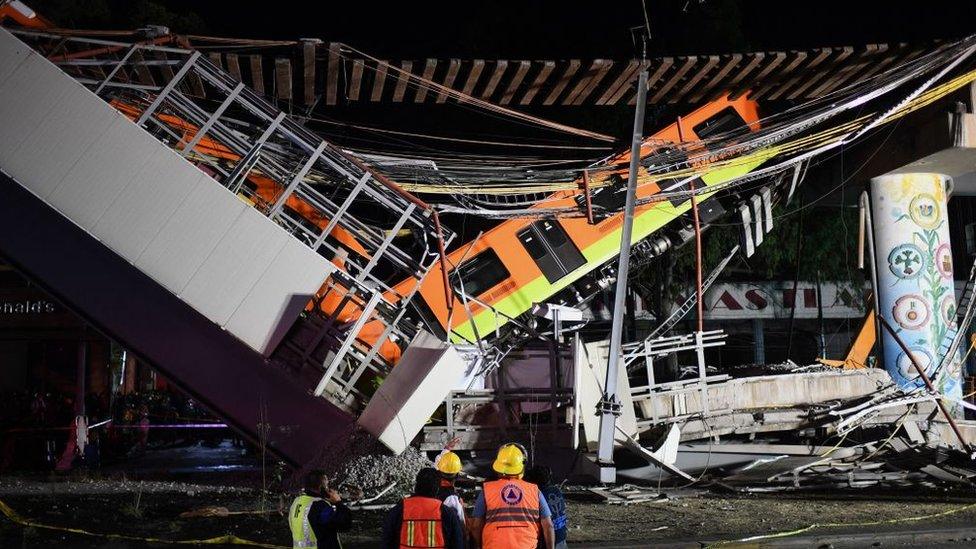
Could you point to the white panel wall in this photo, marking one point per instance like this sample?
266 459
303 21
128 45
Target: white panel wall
427 372
140 209
92 188
592 377
228 274
15 52
189 236
148 204
32 89
292 268
62 133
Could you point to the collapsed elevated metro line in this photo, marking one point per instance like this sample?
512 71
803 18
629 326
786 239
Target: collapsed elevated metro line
322 277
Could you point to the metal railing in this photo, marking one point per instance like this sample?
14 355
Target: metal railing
238 136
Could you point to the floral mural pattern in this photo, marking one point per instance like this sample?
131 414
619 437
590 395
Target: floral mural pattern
916 291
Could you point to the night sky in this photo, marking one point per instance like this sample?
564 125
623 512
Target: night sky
585 29
538 29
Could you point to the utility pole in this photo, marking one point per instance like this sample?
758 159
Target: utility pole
609 406
820 317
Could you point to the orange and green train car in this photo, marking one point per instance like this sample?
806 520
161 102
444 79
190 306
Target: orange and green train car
523 261
520 261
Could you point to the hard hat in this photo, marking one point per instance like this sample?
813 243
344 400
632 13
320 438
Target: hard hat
448 463
510 460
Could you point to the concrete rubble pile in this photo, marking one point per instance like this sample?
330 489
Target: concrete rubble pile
366 464
895 463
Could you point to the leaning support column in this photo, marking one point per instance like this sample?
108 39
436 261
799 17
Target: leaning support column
609 407
916 294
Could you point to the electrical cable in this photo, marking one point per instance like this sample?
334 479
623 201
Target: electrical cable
487 106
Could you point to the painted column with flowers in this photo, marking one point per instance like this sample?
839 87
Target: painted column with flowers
915 284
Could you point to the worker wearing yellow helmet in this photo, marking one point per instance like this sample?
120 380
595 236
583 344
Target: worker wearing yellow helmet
509 512
448 465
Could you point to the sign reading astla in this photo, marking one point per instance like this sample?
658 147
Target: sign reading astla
774 300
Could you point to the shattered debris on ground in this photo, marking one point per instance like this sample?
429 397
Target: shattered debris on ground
366 464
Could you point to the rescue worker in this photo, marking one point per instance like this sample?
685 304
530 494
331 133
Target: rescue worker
448 465
541 476
317 515
511 513
421 520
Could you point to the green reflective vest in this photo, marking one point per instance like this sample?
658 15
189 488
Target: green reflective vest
302 535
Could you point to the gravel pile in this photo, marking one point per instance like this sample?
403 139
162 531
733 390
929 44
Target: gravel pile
11 486
376 471
364 462
789 367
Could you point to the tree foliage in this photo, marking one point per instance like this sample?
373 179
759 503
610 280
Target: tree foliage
827 247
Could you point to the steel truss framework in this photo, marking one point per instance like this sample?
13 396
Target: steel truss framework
234 134
181 83
464 422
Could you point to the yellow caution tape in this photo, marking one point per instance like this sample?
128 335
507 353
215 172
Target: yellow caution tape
745 542
228 539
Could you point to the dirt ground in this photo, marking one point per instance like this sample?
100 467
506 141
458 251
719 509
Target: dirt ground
152 509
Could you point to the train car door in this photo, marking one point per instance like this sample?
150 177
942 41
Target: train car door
551 249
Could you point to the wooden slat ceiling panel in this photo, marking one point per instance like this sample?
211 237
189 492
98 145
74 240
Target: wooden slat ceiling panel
892 58
730 64
544 71
401 83
772 76
283 79
452 72
676 76
571 68
233 66
843 73
796 58
429 67
772 63
626 75
355 80
598 71
332 75
523 68
741 75
662 67
693 81
379 78
257 74
810 81
496 77
473 74
308 72
806 73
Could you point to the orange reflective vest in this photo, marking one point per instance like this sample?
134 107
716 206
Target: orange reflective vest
421 524
511 515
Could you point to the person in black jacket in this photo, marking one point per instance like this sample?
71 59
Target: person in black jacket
541 476
409 524
317 515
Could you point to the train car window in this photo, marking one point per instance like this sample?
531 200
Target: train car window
427 316
553 232
611 198
551 249
679 200
725 120
482 272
